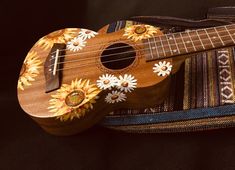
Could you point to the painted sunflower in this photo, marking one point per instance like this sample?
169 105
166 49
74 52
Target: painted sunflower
60 36
140 32
29 70
72 101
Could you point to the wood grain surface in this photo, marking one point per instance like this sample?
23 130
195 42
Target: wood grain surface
151 89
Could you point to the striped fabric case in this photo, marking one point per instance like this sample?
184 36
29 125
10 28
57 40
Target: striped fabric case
202 92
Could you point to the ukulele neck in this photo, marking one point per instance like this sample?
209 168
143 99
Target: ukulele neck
182 43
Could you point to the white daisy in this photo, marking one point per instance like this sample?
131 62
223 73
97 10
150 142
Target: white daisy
162 68
86 34
76 44
126 83
107 81
115 96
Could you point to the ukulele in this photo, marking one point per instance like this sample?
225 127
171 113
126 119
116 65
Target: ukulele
72 78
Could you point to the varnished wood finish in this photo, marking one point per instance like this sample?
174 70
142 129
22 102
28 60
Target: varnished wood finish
151 89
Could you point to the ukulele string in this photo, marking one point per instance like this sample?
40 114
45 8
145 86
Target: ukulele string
158 36
91 63
126 52
94 63
161 46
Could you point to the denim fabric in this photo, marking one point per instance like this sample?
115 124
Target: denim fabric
170 116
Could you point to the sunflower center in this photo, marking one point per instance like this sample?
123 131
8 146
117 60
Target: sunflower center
55 34
23 69
164 68
114 97
75 98
140 29
124 84
106 81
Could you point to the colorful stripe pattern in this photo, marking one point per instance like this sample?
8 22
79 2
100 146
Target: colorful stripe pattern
207 83
209 80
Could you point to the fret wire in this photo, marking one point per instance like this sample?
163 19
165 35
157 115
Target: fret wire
191 36
195 35
191 41
229 33
94 63
183 42
209 38
122 58
200 40
217 33
219 36
187 52
156 46
176 43
162 46
231 29
229 25
202 29
150 49
225 36
169 44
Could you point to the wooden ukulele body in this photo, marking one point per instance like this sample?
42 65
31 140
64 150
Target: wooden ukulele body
86 64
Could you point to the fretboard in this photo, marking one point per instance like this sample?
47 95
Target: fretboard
181 43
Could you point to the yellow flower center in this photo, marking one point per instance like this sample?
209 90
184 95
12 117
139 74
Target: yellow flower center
75 98
140 29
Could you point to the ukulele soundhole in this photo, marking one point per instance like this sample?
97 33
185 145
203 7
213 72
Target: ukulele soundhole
118 56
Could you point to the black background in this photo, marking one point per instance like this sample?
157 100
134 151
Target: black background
23 145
